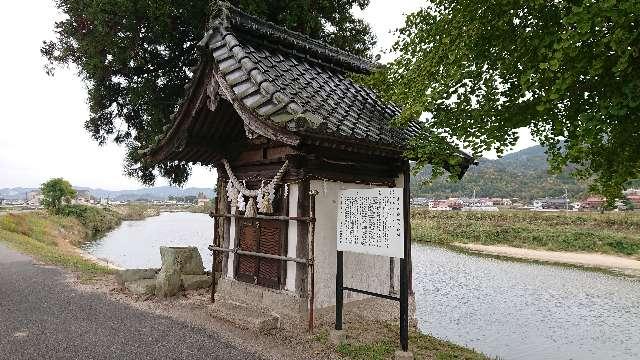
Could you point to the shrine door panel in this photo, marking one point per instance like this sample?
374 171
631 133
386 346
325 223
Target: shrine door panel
269 270
247 266
261 236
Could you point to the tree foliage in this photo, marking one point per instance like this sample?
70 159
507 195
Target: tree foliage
133 56
55 193
567 70
523 175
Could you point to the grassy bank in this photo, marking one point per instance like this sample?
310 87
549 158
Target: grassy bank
52 238
136 211
610 233
382 343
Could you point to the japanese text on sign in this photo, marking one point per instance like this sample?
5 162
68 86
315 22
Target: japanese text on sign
370 221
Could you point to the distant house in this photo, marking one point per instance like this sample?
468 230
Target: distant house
83 197
420 201
593 202
635 200
33 198
552 204
439 205
202 201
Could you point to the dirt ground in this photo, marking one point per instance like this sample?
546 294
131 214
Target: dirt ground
289 342
618 264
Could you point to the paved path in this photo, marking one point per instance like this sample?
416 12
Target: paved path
42 317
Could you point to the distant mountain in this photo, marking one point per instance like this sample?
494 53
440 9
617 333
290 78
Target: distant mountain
155 193
523 174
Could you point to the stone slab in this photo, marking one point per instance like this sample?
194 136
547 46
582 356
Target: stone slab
244 316
168 283
337 337
128 275
141 286
194 282
403 355
186 260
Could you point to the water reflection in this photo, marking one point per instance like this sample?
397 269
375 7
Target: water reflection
135 244
508 309
525 311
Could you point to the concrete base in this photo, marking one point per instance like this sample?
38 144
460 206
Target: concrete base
127 275
246 317
403 355
141 287
283 303
194 282
337 337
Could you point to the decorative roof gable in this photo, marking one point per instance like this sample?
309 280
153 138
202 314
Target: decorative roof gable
284 86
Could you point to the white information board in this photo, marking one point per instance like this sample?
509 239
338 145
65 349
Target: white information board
370 221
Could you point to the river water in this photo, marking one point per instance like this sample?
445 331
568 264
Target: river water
513 310
136 244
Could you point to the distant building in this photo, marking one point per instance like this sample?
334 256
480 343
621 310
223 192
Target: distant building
83 197
202 201
552 204
33 198
420 201
635 200
593 202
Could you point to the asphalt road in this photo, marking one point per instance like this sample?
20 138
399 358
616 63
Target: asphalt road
42 317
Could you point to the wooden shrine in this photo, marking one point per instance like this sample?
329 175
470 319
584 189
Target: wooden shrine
277 115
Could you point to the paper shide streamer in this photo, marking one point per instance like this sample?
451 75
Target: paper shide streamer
260 200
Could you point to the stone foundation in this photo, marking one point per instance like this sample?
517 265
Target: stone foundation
283 303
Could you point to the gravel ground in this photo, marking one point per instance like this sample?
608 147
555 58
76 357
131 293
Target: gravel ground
44 316
49 313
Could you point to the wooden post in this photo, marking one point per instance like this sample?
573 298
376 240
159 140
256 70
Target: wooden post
218 234
339 290
405 262
311 270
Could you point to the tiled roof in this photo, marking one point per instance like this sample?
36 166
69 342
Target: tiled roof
282 80
298 83
301 95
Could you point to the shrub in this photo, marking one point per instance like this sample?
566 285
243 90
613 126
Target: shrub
96 220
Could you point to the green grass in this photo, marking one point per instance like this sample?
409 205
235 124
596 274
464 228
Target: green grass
377 351
51 254
136 211
322 336
611 233
96 220
379 341
45 228
48 238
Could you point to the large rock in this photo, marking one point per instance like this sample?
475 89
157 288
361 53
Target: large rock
185 260
167 283
142 286
194 282
128 275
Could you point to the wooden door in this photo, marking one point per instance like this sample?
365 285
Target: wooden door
248 233
270 243
262 236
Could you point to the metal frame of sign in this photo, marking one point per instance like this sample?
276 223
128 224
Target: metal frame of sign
403 299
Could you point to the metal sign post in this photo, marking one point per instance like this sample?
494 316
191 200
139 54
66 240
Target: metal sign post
386 217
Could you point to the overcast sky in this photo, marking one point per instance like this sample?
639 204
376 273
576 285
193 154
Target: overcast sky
41 126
